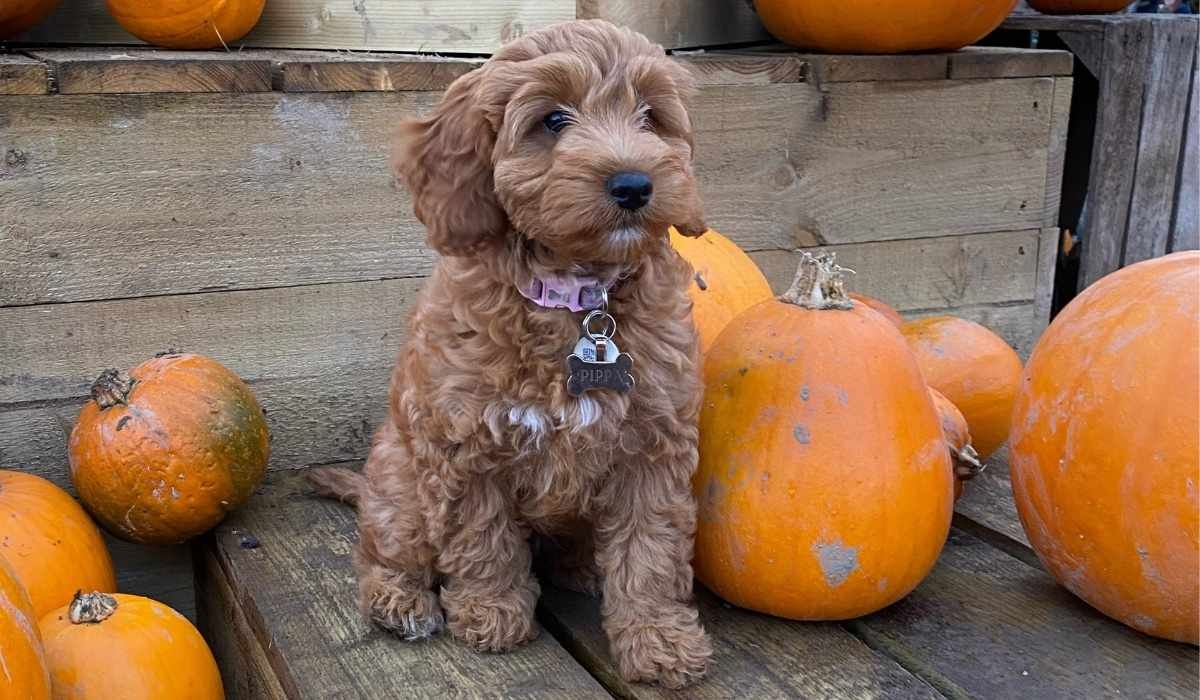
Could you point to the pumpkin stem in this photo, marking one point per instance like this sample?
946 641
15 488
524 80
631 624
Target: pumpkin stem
90 608
967 464
111 388
818 284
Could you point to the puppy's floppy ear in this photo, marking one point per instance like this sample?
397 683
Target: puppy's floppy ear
445 159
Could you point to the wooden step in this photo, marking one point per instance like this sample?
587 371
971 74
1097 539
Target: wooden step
277 600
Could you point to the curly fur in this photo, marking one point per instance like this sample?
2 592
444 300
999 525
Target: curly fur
483 447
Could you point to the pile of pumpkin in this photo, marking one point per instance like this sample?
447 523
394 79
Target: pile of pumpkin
834 437
157 456
182 24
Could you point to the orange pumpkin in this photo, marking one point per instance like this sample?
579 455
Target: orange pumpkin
163 453
125 646
824 487
974 368
888 312
958 439
882 26
726 282
1078 7
51 544
18 15
187 24
21 657
1105 448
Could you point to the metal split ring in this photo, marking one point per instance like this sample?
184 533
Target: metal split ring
608 330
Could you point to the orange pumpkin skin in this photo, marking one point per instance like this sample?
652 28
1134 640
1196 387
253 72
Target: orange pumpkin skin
166 459
974 368
143 650
824 486
25 675
187 24
50 542
1104 450
1078 7
726 282
882 26
18 15
885 309
954 429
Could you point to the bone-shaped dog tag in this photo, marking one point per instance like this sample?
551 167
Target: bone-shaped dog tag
597 362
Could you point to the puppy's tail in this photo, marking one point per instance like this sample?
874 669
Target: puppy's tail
337 482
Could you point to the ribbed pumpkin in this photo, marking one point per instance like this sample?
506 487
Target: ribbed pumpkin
51 544
825 488
958 439
882 26
187 24
882 307
726 282
103 647
24 665
974 368
1078 7
163 453
1105 450
18 15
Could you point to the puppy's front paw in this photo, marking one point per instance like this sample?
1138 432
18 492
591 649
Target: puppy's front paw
489 623
669 647
412 614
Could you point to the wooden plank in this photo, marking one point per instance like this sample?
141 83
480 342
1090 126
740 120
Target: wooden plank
726 68
1185 231
1060 118
988 500
1047 267
680 23
998 62
1172 55
832 68
81 71
780 166
984 624
22 75
755 656
298 592
324 71
245 667
1088 47
161 573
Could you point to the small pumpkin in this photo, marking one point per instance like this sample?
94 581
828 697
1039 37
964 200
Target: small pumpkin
824 487
726 282
1105 448
1078 7
972 367
882 307
958 439
49 541
17 16
24 663
187 24
104 646
162 453
882 26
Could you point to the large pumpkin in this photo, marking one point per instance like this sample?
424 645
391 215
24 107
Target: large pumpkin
24 665
163 453
1105 450
726 282
882 307
18 15
974 368
187 24
1078 7
882 26
825 488
101 647
52 545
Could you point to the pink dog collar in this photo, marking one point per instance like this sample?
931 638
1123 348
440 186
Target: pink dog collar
566 292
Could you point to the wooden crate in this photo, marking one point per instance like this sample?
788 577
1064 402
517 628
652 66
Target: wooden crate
445 26
239 205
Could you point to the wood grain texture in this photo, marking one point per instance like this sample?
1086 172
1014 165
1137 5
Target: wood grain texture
1060 118
997 62
1047 267
119 71
1185 231
730 68
300 192
22 75
833 68
161 573
755 656
984 624
988 500
1088 47
680 23
325 71
298 592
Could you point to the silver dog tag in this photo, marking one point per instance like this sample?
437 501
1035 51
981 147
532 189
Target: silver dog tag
597 362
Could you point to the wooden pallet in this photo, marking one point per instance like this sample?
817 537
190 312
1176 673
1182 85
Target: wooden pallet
1142 169
239 205
987 623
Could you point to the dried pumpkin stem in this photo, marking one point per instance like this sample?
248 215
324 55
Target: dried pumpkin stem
90 608
967 463
818 284
111 388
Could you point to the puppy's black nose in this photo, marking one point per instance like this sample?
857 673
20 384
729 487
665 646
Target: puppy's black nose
630 189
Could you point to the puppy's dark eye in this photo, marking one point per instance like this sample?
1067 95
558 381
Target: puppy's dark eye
556 121
648 119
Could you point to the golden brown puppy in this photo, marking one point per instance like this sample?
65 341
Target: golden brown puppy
554 169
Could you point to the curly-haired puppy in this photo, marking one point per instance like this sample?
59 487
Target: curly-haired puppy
547 179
